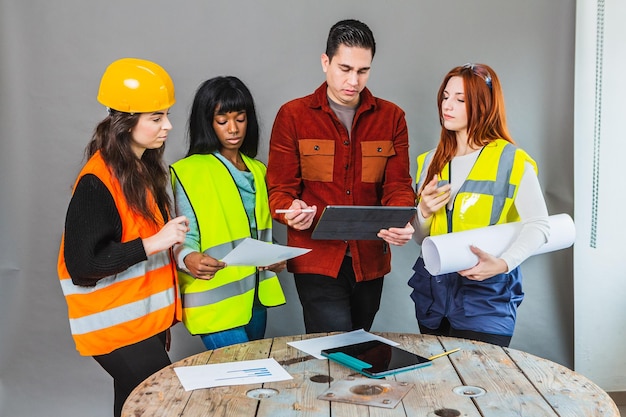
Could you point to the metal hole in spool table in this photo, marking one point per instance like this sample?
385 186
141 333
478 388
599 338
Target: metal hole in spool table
469 391
447 412
260 393
321 378
367 389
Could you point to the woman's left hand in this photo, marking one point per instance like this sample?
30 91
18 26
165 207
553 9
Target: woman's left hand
275 268
487 266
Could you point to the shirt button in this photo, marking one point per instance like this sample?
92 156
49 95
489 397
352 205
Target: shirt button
348 192
379 149
345 142
317 148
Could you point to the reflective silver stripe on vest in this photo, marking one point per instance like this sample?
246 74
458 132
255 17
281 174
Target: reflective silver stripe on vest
122 314
265 275
221 293
500 189
154 262
265 235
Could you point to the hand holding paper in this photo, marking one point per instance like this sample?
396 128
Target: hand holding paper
202 265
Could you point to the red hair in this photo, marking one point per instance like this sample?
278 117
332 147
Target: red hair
486 116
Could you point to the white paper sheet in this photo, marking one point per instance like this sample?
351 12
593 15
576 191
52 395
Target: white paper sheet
451 253
231 373
315 346
252 252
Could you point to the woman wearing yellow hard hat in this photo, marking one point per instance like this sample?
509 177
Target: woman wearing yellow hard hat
115 261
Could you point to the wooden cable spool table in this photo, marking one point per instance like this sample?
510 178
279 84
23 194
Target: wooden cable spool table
479 380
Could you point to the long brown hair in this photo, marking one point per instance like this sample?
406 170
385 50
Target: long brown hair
486 115
137 177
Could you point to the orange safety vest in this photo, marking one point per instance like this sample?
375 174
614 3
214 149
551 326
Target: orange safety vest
130 306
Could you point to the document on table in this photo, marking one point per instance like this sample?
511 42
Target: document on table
252 252
315 346
451 252
231 373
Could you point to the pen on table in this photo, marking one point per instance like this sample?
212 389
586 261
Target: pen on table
443 354
291 210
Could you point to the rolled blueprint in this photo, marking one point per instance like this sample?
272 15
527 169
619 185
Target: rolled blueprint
451 252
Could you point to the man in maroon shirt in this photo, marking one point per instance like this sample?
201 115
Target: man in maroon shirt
340 146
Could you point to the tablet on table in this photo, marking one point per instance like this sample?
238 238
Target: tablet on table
375 358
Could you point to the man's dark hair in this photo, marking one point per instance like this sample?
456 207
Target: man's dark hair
351 33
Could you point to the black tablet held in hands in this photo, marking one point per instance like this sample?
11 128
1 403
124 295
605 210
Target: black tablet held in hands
375 358
360 222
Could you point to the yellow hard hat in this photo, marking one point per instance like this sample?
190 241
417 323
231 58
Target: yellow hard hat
134 85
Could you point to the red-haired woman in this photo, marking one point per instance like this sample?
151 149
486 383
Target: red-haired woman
476 177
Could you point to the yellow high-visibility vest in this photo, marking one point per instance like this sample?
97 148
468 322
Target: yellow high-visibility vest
487 195
225 301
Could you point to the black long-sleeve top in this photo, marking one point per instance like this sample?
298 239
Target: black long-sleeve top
93 235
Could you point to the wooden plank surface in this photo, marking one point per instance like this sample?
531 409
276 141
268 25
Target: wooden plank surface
569 393
162 395
342 409
515 383
296 397
229 400
433 394
508 391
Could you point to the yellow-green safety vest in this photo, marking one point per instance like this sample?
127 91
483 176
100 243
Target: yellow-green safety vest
225 301
487 195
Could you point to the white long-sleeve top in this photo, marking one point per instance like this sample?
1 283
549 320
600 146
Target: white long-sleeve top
529 203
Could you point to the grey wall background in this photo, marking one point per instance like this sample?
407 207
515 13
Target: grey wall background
52 55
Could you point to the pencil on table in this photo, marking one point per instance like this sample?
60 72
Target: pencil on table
443 354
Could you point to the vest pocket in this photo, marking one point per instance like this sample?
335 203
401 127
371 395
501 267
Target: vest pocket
374 159
317 158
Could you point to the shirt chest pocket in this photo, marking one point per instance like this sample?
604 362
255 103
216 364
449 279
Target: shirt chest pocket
317 157
375 155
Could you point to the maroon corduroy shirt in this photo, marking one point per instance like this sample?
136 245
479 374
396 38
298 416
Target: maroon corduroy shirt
312 158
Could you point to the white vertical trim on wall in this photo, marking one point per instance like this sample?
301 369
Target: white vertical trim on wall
600 196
